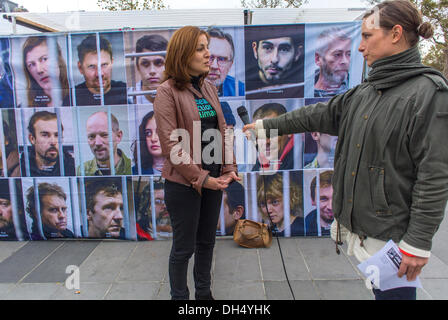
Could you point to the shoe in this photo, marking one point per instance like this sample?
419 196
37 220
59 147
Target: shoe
208 296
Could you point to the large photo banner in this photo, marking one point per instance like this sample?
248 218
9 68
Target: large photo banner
79 152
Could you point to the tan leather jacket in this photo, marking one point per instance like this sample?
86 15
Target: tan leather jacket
175 109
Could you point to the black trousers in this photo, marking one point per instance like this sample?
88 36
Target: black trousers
404 293
194 219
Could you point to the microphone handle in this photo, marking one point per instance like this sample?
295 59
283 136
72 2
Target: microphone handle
253 138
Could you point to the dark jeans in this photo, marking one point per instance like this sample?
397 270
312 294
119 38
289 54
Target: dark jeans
194 219
405 293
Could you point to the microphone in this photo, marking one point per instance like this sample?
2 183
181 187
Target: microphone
242 113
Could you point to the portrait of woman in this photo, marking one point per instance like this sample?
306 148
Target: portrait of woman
10 145
271 202
150 159
46 79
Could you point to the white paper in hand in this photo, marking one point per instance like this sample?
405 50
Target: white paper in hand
382 269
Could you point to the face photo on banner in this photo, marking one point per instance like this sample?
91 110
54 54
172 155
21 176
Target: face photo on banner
12 217
332 59
40 71
150 208
48 207
101 144
164 230
93 55
2 166
105 210
233 207
9 145
280 199
145 63
319 215
141 186
6 79
274 61
145 149
286 153
309 206
319 148
43 149
227 60
3 155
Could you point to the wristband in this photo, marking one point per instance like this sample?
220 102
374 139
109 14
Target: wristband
406 254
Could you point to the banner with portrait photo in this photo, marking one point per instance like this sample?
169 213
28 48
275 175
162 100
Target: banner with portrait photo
92 55
9 144
48 207
46 141
332 61
40 71
319 148
6 77
275 61
152 218
105 208
80 156
227 61
13 225
145 63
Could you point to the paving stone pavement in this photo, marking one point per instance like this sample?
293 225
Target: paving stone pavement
114 270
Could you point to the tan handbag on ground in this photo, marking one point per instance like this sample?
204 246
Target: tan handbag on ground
252 234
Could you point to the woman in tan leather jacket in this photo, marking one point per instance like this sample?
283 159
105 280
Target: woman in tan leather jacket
196 170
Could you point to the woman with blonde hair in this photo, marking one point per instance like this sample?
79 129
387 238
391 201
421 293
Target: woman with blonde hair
270 199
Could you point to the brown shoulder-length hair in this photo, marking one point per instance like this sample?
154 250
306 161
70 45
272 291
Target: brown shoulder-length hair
33 87
180 51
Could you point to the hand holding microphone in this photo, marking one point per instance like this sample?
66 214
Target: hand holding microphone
249 128
250 131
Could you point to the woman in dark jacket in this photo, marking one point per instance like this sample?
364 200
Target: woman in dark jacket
195 173
391 161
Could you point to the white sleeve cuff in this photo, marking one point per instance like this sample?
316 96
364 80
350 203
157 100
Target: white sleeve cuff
413 250
259 129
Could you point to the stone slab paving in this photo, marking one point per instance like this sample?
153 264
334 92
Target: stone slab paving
139 270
